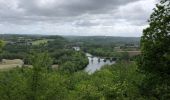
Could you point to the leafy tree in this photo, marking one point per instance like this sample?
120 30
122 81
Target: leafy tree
1 44
125 56
68 67
12 85
155 58
41 65
72 61
155 41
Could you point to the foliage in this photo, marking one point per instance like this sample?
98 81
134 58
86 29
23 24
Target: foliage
39 42
155 41
124 56
1 44
121 81
117 82
73 62
154 61
41 64
15 49
13 85
102 40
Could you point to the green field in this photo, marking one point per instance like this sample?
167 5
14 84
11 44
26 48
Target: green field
38 42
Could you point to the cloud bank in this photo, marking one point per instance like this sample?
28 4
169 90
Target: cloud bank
75 17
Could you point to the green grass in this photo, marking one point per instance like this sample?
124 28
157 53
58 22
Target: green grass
38 42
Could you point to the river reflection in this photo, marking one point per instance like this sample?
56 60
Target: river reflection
96 63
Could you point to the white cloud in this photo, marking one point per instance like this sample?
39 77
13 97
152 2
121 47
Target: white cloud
76 17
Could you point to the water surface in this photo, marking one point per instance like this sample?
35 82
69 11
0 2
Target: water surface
96 63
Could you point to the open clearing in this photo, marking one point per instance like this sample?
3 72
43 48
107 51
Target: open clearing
43 41
38 42
8 64
132 53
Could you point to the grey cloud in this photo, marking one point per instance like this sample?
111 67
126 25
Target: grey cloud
84 23
31 11
137 13
74 16
69 7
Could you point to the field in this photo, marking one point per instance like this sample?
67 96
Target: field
131 53
38 42
8 64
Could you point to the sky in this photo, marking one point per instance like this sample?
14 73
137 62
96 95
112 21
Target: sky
75 17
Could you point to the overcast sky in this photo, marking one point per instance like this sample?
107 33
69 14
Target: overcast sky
75 17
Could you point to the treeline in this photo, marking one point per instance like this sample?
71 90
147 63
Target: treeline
70 60
117 82
106 51
103 40
21 51
59 50
120 81
146 79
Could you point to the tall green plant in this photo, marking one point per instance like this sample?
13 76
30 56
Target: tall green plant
1 45
155 41
155 58
41 65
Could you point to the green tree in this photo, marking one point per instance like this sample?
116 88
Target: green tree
41 65
125 56
155 41
1 44
12 85
68 67
155 58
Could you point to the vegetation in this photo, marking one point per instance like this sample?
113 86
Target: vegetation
22 46
39 42
155 59
74 62
155 41
117 82
69 60
146 79
105 46
1 44
103 40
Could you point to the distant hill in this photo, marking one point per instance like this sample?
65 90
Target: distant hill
11 37
103 39
76 39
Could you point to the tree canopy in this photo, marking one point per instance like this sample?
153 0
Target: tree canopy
1 43
155 41
155 58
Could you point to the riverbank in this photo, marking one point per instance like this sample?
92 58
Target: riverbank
96 63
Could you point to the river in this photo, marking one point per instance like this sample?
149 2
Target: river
95 64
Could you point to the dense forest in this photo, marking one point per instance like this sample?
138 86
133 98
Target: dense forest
145 77
104 40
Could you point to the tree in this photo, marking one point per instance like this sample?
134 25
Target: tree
1 44
125 56
68 67
155 41
41 65
155 58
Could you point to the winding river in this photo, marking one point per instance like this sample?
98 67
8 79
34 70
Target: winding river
96 63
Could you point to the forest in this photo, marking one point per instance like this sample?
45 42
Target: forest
145 76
